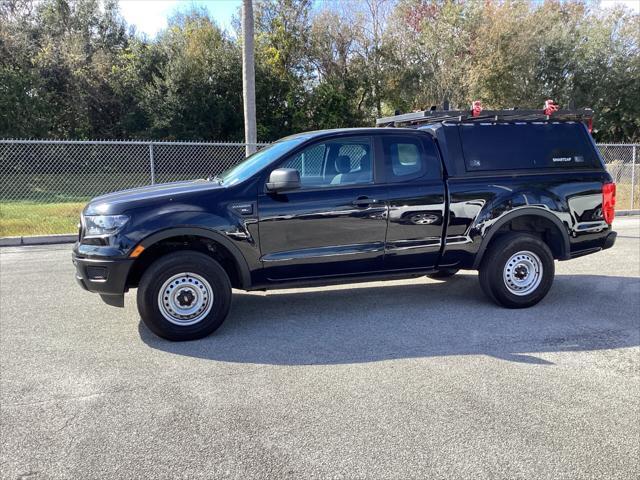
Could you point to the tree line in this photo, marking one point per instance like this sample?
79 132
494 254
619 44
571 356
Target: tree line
75 69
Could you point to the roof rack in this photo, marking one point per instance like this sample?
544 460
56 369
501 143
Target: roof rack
477 114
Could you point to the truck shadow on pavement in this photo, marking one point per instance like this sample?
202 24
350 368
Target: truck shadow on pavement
419 318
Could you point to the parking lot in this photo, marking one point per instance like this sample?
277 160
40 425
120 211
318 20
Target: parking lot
404 379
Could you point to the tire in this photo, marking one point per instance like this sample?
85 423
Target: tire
196 296
517 271
443 273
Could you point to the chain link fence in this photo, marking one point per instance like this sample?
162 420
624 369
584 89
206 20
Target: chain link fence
44 184
624 166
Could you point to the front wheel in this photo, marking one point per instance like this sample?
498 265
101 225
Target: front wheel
517 271
184 296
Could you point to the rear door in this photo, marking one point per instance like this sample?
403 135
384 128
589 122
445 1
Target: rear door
335 224
416 200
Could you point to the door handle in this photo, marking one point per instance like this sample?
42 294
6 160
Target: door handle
364 201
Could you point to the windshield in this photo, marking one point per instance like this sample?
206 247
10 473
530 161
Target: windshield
258 161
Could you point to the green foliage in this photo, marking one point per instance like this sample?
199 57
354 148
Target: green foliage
282 41
196 92
564 52
74 69
24 111
518 54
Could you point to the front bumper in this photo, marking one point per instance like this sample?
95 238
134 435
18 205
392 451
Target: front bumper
103 276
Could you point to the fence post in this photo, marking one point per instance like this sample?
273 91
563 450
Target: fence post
152 165
633 176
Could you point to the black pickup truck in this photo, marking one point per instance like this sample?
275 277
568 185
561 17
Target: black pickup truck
505 193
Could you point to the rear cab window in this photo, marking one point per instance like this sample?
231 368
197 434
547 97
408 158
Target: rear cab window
526 145
409 157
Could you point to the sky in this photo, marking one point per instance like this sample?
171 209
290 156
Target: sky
150 16
632 4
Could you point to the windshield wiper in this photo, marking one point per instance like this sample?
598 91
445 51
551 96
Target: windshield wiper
215 178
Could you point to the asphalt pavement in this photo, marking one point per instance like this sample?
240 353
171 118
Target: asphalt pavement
407 379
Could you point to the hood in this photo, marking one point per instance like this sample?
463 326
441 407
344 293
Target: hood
117 202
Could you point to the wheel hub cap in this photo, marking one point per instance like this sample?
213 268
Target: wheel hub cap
522 273
185 299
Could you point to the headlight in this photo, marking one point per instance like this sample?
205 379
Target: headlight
102 225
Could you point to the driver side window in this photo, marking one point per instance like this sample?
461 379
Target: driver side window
334 162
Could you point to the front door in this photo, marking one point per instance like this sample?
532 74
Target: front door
335 223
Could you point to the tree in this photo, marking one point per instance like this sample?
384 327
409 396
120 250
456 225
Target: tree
339 82
282 43
197 90
433 46
74 69
348 55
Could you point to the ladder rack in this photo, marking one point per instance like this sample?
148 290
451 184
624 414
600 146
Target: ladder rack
427 117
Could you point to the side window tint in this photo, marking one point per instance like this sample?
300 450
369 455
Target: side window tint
404 158
407 159
309 162
526 145
356 152
342 161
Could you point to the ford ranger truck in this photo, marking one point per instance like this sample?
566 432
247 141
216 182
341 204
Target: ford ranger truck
504 193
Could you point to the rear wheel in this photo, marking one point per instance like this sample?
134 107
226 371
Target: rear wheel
517 271
184 296
443 273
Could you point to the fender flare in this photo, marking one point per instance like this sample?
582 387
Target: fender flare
521 212
243 267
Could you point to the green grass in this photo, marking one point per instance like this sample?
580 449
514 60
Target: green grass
29 218
623 196
41 204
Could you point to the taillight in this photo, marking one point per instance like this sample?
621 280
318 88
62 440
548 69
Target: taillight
608 202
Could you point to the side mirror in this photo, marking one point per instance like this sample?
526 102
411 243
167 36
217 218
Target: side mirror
283 179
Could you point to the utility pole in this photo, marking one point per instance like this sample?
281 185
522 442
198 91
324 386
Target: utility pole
248 78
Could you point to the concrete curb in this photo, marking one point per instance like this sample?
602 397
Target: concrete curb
623 213
37 240
70 238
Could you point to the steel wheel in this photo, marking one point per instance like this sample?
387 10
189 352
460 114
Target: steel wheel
522 273
185 299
